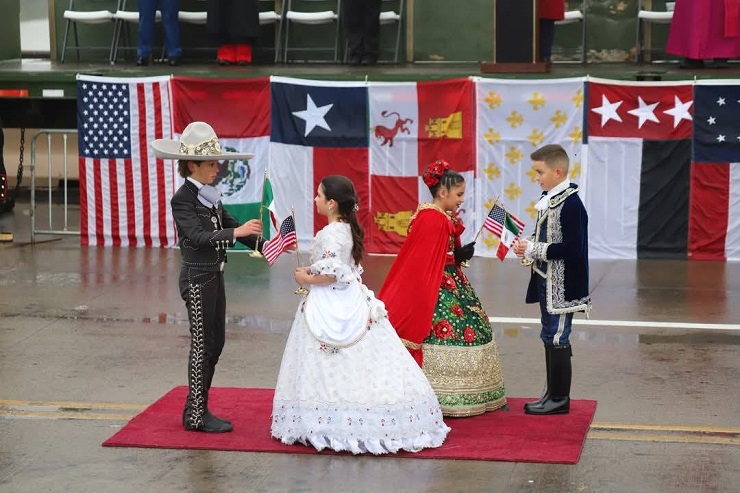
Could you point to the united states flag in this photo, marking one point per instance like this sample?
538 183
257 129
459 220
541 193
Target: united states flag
284 240
497 218
124 189
507 227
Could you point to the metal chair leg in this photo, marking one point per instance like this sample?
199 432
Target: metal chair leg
637 43
278 35
286 47
583 40
77 41
112 56
398 39
64 43
336 43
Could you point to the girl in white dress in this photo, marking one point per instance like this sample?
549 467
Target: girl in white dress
346 381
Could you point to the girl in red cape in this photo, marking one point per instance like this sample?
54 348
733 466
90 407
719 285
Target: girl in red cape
435 310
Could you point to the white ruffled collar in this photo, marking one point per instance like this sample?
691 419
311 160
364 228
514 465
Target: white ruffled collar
543 203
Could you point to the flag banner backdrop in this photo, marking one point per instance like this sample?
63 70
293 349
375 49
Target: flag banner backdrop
637 187
514 118
318 128
124 190
239 112
658 163
714 216
414 124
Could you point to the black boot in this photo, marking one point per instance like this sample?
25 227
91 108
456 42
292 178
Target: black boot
207 415
546 395
560 377
207 424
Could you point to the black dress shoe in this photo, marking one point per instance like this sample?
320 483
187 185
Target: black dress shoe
720 63
173 62
369 60
142 62
210 425
223 62
553 405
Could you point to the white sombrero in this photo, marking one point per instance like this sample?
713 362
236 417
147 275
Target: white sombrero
198 142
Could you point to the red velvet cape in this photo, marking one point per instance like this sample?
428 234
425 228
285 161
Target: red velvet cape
411 288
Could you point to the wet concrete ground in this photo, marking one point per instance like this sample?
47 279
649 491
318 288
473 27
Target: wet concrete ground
90 336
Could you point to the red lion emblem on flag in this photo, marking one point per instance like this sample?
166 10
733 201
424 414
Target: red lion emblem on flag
388 134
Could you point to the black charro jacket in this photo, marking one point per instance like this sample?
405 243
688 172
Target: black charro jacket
205 233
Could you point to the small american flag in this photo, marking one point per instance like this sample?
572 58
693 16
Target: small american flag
497 218
507 227
124 190
285 239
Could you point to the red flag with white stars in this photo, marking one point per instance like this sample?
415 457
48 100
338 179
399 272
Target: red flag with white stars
641 110
639 160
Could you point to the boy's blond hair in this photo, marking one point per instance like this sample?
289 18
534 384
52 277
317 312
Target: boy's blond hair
553 155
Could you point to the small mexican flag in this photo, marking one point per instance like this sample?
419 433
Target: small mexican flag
507 227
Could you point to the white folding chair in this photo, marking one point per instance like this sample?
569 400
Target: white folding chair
74 16
573 16
306 13
650 17
388 17
272 17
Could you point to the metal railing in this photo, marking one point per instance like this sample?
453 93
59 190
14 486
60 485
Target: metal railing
50 133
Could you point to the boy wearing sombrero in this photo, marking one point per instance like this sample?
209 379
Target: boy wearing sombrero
205 230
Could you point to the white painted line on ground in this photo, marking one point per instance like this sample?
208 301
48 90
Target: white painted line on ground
620 323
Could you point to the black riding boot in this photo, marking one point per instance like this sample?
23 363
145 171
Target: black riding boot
195 407
208 413
558 402
546 395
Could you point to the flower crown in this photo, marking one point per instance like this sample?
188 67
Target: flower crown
434 172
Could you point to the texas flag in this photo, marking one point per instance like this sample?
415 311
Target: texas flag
239 112
639 147
516 117
317 129
714 216
414 124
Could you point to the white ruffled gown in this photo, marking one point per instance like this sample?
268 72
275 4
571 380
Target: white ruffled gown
346 381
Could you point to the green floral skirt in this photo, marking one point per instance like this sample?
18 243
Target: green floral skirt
461 358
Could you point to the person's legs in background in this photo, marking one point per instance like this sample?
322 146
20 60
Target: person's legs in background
171 26
352 20
243 53
147 11
371 33
547 37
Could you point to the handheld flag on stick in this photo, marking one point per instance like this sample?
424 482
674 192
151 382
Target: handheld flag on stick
507 227
268 200
285 238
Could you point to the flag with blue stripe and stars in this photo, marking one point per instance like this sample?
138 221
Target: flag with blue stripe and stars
716 123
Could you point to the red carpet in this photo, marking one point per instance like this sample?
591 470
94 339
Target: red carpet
505 436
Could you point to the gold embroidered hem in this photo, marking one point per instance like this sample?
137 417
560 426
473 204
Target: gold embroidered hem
467 379
410 345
